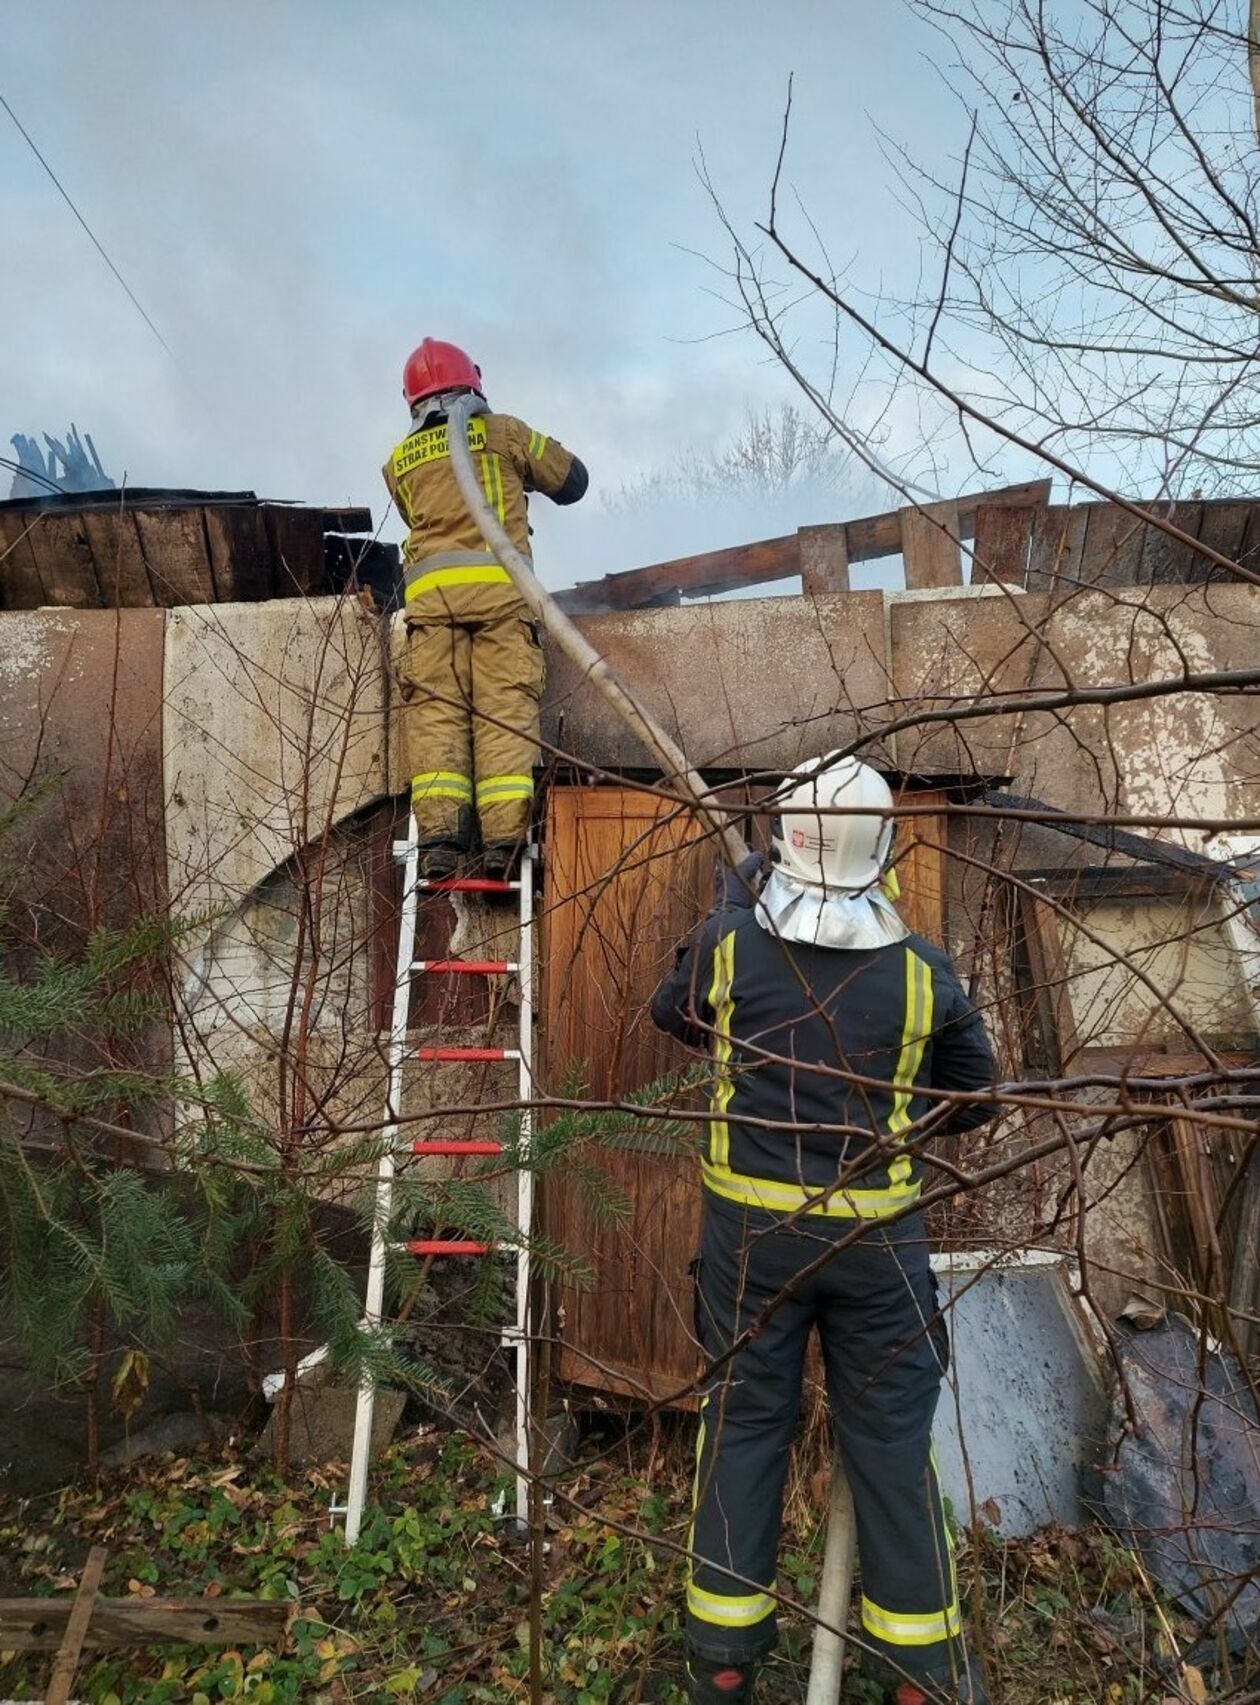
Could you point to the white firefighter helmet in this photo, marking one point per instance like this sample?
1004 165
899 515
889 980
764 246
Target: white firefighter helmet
844 853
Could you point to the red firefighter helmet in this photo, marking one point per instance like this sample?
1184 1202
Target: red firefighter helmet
438 367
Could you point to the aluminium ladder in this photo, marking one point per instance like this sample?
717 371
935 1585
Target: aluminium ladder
516 1336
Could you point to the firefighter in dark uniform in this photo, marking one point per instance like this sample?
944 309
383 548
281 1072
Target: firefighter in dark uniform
473 674
827 1022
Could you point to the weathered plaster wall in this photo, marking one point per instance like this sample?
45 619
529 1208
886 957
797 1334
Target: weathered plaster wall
274 730
1121 950
1185 754
749 683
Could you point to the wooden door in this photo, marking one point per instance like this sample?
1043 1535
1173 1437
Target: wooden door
626 877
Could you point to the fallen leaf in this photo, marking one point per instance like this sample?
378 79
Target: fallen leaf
131 1383
1195 1686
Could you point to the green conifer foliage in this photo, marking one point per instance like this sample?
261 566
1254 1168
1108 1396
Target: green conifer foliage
127 1195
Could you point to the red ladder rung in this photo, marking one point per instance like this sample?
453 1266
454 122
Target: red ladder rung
446 1246
473 967
459 1145
467 1053
468 885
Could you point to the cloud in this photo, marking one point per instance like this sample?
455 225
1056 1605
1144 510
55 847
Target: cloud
298 193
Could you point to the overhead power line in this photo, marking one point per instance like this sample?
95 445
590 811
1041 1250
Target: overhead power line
61 190
32 473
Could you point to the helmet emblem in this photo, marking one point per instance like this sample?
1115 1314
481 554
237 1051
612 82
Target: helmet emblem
798 838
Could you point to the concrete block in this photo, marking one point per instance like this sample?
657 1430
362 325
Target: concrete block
321 1426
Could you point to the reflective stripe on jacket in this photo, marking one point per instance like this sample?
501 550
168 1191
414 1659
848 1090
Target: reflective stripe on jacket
792 1029
444 549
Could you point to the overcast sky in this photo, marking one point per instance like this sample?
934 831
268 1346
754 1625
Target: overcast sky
299 192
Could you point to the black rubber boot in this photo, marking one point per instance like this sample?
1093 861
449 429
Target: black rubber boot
715 1682
967 1689
440 860
499 860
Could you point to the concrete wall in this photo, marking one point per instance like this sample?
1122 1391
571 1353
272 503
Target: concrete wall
274 744
274 730
1185 754
750 683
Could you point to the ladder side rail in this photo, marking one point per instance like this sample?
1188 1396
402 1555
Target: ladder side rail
365 1405
525 1188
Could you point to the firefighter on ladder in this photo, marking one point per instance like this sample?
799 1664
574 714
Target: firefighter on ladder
828 1022
473 675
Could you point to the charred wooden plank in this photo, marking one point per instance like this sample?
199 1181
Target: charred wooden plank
1223 528
240 553
1112 549
119 558
1249 550
20 585
713 571
39 1624
66 565
1165 561
174 545
347 520
767 559
296 537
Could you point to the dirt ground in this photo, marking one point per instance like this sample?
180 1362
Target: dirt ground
436 1604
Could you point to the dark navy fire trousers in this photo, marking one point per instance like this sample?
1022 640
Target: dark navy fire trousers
885 1349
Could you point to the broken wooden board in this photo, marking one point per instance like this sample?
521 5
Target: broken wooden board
39 1624
767 559
66 1662
930 546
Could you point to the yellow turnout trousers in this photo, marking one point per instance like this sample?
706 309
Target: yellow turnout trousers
472 681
